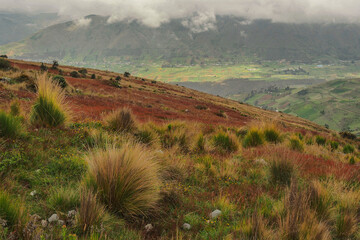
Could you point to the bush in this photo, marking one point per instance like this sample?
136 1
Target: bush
60 80
83 71
348 135
64 199
348 149
55 64
93 76
226 143
121 120
43 67
272 135
320 140
127 74
118 78
49 108
15 108
5 64
13 212
296 144
281 171
253 138
334 145
10 125
126 179
74 74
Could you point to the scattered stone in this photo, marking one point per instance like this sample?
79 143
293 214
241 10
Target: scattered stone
61 222
33 193
71 214
44 223
186 110
215 213
186 226
261 161
53 218
148 227
3 222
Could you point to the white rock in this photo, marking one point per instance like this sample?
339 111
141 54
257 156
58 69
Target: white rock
186 226
53 218
61 222
43 223
33 193
148 227
261 161
215 213
71 214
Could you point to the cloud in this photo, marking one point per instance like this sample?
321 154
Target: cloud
199 12
83 22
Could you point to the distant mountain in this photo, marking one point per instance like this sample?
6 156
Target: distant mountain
17 26
230 39
334 103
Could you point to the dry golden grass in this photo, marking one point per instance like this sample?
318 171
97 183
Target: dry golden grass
121 120
50 108
126 178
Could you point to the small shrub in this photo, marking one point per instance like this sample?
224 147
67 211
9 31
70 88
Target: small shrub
74 74
10 125
49 109
309 141
5 64
55 64
121 120
118 78
64 199
22 78
221 113
225 142
127 74
281 171
320 140
43 67
348 135
201 107
272 135
83 71
126 179
253 138
352 160
60 80
348 149
15 108
334 145
296 144
13 212
93 76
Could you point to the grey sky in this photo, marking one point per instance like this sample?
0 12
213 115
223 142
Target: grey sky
155 12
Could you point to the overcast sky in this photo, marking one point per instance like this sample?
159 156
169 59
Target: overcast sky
155 12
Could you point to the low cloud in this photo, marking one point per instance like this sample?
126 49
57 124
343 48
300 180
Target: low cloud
200 13
83 22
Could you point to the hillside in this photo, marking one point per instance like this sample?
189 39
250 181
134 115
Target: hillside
90 154
335 103
19 26
230 39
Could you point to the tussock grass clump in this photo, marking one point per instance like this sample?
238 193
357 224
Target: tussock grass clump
146 135
348 149
334 145
282 170
64 199
10 125
346 225
253 138
200 144
13 212
121 120
320 200
320 140
126 179
272 135
15 108
225 142
255 228
50 109
60 80
296 144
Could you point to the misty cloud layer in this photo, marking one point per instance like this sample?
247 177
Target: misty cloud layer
200 12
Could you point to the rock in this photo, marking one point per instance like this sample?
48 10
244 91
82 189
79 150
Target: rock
38 170
44 223
186 110
71 214
186 226
215 213
33 193
53 218
261 161
148 227
35 217
3 222
61 222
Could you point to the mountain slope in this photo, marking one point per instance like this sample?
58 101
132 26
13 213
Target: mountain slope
232 39
335 103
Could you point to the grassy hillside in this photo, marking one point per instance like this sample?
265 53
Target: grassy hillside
335 103
101 155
